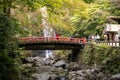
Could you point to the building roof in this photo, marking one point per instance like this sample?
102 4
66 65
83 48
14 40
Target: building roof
115 18
115 3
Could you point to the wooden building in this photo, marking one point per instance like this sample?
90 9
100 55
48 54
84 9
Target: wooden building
112 27
112 23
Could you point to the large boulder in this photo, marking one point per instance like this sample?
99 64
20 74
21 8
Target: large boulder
57 78
116 77
73 66
38 53
43 76
37 61
49 61
60 63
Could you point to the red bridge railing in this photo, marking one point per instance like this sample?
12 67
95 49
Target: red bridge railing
52 39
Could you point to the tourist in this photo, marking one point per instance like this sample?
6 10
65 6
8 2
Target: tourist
89 38
95 38
98 37
57 36
116 38
92 37
110 37
119 36
105 37
71 37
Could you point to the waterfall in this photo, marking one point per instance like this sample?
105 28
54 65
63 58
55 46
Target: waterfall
47 30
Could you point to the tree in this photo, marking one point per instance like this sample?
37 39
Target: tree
8 70
94 22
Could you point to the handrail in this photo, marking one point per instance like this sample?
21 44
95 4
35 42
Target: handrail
52 39
66 40
109 43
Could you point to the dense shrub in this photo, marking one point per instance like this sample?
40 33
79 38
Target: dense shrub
102 55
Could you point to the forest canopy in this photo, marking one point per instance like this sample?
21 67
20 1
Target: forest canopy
68 17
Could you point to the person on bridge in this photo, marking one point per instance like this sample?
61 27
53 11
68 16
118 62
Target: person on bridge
97 37
89 37
116 37
119 36
71 38
105 37
57 36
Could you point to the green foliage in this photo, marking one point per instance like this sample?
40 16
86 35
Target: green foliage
102 55
8 66
89 1
8 70
81 17
115 11
93 22
27 71
87 55
61 54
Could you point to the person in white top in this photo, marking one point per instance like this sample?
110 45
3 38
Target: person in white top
116 38
119 34
98 37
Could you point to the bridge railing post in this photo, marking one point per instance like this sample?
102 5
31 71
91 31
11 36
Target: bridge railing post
24 40
84 40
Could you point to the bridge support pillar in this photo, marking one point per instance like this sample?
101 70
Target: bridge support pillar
74 55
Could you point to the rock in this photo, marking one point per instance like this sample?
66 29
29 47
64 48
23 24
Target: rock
24 60
81 73
39 53
116 77
73 66
78 78
37 61
60 63
27 65
51 69
58 78
52 77
43 76
49 61
30 59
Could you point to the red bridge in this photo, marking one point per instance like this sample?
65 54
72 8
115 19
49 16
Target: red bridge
61 43
51 43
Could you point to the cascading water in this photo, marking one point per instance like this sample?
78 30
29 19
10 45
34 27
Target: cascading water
47 31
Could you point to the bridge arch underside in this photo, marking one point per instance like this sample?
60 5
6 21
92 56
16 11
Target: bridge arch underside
51 46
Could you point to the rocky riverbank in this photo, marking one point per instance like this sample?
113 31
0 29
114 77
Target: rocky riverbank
51 69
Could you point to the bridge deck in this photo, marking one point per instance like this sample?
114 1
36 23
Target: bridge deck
50 43
61 43
52 39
